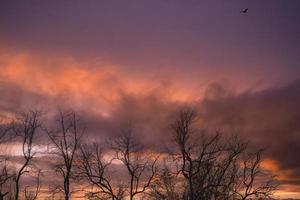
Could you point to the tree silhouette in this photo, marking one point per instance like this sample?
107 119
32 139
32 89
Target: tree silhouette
210 165
166 186
199 166
26 128
5 179
93 167
65 143
252 181
6 175
33 194
140 168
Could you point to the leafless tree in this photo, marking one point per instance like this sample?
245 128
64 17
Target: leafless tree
166 186
94 168
66 141
5 132
26 129
5 174
209 164
141 168
252 181
32 194
5 177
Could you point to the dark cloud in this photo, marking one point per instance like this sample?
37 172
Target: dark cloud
269 118
149 115
15 99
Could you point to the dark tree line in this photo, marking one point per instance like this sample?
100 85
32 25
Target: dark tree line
197 166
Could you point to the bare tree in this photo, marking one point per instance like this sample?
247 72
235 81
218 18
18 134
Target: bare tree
66 141
26 129
182 128
5 132
209 164
166 186
5 177
93 167
252 181
140 168
32 194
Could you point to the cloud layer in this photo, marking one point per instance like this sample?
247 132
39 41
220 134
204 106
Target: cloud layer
106 98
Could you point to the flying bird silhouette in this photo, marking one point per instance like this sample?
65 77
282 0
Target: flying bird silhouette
244 11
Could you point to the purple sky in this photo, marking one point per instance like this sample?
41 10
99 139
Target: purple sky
131 59
148 36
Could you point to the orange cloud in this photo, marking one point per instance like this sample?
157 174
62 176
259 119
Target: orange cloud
285 190
273 166
97 84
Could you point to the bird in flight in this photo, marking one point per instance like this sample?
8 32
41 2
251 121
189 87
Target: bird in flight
244 11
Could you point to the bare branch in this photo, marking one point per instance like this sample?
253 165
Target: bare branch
66 141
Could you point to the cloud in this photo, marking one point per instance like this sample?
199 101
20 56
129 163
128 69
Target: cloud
104 96
269 118
107 97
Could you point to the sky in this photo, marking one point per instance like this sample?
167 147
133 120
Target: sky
141 60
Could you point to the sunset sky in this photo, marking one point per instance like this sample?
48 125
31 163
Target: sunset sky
139 60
